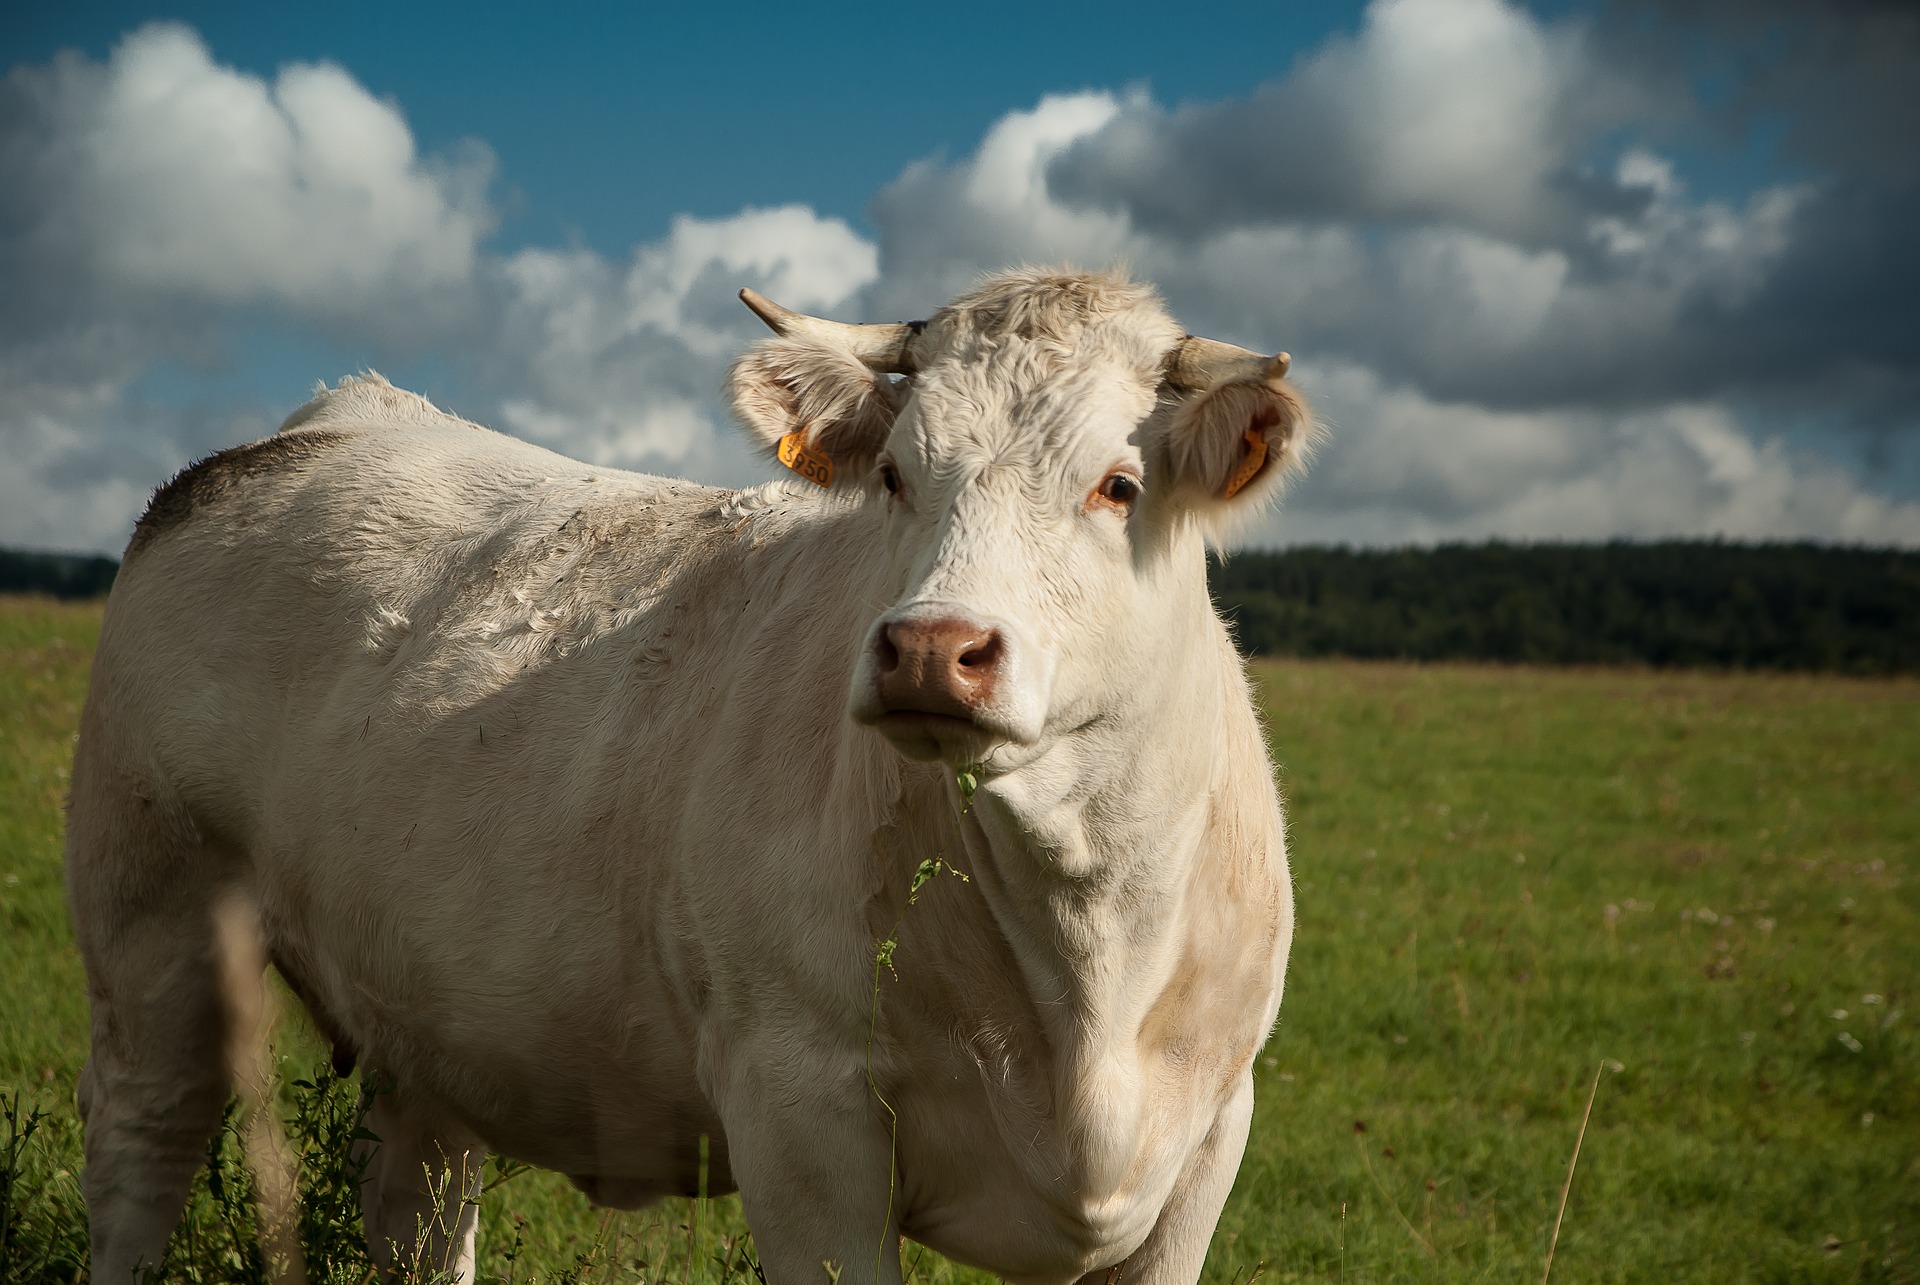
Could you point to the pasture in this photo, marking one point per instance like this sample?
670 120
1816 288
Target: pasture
1506 879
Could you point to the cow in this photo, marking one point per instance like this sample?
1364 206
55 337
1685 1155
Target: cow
895 842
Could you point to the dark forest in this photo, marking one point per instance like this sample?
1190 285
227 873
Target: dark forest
1678 603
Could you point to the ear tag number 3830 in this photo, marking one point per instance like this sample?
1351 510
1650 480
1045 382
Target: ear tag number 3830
816 467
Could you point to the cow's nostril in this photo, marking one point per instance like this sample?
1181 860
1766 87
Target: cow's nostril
885 652
941 665
983 654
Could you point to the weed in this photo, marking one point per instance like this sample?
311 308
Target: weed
1606 1064
43 1228
883 956
968 781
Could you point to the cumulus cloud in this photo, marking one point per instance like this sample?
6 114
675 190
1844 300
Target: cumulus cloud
1459 110
162 172
624 364
1506 296
1402 466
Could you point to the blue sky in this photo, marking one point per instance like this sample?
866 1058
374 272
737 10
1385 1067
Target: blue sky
1571 271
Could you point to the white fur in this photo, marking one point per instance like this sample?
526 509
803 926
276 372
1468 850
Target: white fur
543 778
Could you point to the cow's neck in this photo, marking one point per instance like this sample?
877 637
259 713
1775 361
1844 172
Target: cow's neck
1086 856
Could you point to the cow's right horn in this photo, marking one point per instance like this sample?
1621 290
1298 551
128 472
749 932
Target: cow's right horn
886 347
1197 364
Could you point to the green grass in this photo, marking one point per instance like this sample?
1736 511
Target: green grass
1504 877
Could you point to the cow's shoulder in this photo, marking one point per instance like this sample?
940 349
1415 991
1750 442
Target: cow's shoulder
319 429
205 483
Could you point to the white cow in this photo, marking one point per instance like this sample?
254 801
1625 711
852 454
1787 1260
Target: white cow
575 803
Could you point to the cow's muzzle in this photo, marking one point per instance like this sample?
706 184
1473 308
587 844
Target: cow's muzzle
944 665
932 682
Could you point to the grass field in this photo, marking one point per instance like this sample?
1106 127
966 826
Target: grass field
1506 878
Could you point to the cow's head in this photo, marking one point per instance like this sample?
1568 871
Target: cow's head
1049 451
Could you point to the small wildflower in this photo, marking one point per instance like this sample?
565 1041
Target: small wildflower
1612 913
1766 925
1706 916
1839 1014
1786 1009
1873 999
1747 1037
1866 1117
1853 1045
1846 903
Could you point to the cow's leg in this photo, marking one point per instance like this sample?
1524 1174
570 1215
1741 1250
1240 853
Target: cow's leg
1176 1248
420 1194
813 1161
156 1077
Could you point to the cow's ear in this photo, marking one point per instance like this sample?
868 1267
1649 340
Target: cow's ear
820 411
1229 447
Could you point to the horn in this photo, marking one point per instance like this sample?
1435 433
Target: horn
887 347
1197 363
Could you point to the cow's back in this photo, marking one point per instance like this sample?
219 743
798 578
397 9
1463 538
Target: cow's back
275 578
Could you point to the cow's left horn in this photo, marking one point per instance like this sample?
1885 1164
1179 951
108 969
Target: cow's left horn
1197 363
886 347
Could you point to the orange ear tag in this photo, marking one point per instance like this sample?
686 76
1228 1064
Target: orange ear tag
816 467
1256 456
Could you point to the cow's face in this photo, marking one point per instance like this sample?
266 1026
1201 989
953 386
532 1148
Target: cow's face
1043 489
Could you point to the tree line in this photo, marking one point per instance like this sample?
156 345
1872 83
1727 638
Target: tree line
1673 603
61 575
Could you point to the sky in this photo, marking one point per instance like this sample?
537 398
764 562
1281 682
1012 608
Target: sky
1571 271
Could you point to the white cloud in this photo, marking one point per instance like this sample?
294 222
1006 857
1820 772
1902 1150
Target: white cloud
943 225
1440 107
163 172
1399 466
624 366
1464 111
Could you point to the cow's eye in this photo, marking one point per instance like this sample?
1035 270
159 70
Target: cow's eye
890 478
1120 490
